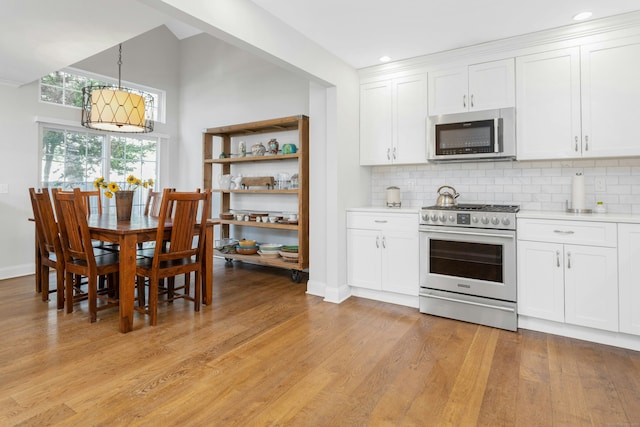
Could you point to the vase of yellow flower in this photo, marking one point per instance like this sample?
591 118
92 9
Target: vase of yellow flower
123 195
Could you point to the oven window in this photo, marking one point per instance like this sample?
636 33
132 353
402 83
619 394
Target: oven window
463 259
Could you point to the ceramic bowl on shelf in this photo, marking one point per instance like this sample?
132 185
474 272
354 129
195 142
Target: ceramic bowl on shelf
227 215
291 249
270 247
247 250
289 256
247 243
269 254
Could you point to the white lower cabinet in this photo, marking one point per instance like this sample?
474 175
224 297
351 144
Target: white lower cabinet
629 277
568 272
382 252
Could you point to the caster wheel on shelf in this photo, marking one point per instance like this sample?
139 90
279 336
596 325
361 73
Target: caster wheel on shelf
296 276
228 262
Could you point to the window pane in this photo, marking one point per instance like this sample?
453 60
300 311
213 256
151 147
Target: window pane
51 94
73 97
53 79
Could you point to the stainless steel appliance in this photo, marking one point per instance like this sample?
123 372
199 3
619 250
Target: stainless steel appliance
468 263
472 136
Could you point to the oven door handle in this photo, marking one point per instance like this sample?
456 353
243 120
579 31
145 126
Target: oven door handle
470 233
495 307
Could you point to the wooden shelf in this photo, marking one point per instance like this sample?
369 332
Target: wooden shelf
257 259
250 159
257 191
260 224
222 137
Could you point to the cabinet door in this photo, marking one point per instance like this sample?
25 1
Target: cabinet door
610 97
548 105
448 91
541 280
629 270
376 123
400 258
410 112
591 286
363 258
491 85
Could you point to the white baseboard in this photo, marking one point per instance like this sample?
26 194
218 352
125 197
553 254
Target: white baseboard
616 339
16 271
330 293
390 297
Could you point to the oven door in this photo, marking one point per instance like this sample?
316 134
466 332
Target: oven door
469 261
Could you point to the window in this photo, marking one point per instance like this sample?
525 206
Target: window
65 88
73 158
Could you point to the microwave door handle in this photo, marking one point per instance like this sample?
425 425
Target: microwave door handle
496 130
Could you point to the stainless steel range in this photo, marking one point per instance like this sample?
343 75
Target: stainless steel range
468 263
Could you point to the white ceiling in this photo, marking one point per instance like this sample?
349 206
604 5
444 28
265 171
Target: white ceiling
361 31
37 37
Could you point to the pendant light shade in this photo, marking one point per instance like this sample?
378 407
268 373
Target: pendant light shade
116 109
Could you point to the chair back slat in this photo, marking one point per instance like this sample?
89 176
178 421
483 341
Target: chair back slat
46 226
152 207
187 213
74 229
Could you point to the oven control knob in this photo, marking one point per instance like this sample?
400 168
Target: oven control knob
443 218
505 221
495 221
434 217
452 218
475 219
425 217
485 220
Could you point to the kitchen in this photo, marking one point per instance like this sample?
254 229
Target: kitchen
532 184
497 182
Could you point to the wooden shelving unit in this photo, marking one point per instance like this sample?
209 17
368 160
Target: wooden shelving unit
223 135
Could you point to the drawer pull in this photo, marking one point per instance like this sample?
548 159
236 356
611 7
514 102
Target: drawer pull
568 260
557 258
563 231
384 243
380 221
378 242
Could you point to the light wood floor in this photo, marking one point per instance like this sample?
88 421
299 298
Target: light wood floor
265 353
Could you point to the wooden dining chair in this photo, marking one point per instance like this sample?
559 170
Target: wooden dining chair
80 256
180 253
49 246
152 206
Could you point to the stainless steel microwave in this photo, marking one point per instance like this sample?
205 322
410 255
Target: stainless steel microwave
478 135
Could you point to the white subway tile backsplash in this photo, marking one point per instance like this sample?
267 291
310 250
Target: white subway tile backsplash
534 185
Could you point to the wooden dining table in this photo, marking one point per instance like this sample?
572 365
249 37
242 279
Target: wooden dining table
127 234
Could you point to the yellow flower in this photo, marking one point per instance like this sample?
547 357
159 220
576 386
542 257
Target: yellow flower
113 187
99 182
109 194
132 180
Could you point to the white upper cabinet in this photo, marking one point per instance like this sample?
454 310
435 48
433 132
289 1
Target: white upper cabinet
485 86
611 98
579 102
393 114
548 104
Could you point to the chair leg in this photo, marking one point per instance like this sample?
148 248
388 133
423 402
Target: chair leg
93 298
171 285
140 286
44 282
153 299
59 288
68 285
198 283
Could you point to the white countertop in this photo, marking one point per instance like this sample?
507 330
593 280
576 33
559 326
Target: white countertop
567 216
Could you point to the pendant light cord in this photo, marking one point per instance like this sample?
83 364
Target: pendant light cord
120 67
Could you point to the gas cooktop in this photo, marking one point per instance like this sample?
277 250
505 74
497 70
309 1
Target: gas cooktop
471 215
476 207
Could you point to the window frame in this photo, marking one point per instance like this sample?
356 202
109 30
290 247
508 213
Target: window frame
158 95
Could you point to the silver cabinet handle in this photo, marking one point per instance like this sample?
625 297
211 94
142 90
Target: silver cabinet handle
380 221
384 242
378 242
568 259
471 100
388 153
557 258
576 143
464 101
586 143
394 153
563 231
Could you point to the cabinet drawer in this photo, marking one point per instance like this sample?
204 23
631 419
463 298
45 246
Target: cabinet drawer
573 232
375 221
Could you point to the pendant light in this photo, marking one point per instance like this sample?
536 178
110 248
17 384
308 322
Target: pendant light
116 109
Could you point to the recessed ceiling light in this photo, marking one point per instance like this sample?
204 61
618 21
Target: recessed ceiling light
582 16
385 58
